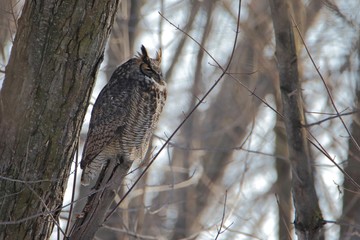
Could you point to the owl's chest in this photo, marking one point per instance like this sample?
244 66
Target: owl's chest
145 108
151 93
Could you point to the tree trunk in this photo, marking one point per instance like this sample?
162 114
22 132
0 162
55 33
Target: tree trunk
351 200
308 217
55 57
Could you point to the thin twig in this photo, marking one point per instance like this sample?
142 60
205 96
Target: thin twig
252 92
46 207
326 154
203 48
25 181
329 118
21 220
357 226
221 149
132 234
325 85
222 218
73 189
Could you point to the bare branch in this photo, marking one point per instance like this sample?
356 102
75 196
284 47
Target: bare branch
327 155
325 85
73 188
330 118
223 218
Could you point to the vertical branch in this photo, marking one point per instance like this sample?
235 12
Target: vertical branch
118 48
308 217
282 184
95 210
181 45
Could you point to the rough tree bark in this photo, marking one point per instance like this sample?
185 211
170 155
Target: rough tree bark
55 57
305 15
351 200
308 217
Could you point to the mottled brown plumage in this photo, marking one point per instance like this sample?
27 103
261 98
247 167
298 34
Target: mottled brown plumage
124 115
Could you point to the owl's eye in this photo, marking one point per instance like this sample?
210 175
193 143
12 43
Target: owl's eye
148 71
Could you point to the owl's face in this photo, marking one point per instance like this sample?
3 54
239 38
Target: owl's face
150 67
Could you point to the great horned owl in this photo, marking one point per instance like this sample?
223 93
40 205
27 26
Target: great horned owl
124 114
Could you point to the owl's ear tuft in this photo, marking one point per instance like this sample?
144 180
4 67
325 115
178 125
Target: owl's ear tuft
144 53
143 56
158 56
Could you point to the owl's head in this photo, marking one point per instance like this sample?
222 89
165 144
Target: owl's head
150 66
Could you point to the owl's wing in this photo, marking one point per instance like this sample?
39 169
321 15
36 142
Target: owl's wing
108 116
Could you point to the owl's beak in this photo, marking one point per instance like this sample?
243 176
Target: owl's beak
160 79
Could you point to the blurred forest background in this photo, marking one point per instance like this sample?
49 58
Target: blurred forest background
226 173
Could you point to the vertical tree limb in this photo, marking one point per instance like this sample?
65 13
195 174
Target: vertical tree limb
96 208
308 217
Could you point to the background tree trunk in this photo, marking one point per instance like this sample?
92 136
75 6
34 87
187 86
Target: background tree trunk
308 217
58 48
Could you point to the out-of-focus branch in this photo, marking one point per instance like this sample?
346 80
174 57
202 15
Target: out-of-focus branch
8 22
119 47
332 117
327 88
221 227
308 217
180 46
188 132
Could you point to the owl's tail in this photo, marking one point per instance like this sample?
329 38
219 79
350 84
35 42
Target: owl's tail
91 171
85 177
